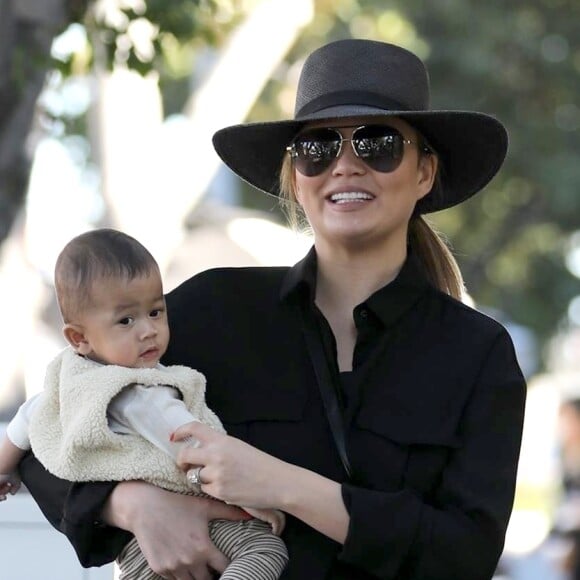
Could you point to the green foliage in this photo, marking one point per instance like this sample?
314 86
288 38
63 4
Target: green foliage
159 36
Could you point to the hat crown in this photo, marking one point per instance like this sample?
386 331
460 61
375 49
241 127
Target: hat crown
364 73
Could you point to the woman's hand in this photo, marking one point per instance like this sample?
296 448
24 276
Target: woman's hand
171 528
232 470
238 473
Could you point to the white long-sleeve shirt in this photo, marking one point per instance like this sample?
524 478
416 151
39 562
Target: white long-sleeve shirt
153 412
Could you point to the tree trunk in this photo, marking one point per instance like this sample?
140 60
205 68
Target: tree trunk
27 29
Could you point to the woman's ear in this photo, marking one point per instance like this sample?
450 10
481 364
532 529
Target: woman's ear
427 171
76 337
298 195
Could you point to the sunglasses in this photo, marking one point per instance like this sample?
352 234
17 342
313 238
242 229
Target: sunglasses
380 147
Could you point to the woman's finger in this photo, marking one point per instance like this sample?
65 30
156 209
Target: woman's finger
190 457
217 561
199 431
200 574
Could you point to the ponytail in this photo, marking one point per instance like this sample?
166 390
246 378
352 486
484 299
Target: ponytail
438 262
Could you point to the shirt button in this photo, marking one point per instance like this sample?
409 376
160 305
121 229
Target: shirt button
364 313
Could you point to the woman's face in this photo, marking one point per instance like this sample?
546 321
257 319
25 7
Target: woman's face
350 203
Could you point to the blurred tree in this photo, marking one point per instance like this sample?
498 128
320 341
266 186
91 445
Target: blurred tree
27 29
141 35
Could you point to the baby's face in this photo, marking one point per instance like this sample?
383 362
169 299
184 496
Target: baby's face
126 323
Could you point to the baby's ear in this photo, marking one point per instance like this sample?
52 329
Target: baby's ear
75 336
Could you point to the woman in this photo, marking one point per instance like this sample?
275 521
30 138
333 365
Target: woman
361 396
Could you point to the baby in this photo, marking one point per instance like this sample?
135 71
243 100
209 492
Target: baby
109 407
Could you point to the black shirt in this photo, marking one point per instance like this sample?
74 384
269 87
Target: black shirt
434 412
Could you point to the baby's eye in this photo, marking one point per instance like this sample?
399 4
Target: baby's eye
126 321
156 313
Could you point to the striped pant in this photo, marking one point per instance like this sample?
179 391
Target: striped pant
254 551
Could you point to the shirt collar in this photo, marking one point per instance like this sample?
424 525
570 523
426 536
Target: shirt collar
301 277
389 303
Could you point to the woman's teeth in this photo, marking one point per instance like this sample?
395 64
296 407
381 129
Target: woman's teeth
350 196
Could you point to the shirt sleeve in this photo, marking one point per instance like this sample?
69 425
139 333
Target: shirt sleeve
459 532
152 411
74 509
18 428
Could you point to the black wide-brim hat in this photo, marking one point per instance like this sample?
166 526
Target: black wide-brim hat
356 78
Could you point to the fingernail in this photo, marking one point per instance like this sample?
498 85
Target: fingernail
171 436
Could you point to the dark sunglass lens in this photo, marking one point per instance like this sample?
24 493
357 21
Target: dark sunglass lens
315 151
379 146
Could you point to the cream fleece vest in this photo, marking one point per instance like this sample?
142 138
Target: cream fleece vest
69 432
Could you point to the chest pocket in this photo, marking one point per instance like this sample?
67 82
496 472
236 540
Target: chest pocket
410 420
268 407
393 450
279 422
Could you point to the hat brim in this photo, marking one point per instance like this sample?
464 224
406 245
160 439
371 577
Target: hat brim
471 147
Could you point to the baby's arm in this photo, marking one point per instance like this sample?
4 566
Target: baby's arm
153 412
10 457
13 446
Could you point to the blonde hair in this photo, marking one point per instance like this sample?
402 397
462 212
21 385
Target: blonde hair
438 262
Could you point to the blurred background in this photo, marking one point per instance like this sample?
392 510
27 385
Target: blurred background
106 113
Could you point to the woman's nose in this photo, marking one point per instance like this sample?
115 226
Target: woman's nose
347 162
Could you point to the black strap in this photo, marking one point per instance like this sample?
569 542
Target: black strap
327 388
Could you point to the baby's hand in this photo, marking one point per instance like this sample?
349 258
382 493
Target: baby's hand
9 483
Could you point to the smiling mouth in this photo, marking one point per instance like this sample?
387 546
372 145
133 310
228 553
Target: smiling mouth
350 197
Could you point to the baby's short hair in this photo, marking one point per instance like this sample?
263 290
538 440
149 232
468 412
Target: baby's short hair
99 254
